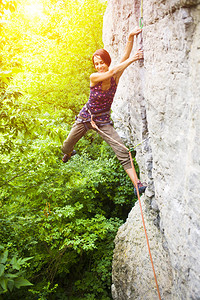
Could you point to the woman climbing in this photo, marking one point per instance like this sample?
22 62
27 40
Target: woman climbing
96 113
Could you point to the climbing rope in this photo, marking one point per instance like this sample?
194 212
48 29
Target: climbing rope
138 195
141 15
144 226
134 173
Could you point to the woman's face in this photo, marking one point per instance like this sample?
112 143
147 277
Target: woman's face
100 65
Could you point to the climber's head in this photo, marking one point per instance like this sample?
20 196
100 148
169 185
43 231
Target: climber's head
101 60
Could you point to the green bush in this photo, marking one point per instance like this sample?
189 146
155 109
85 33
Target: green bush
11 272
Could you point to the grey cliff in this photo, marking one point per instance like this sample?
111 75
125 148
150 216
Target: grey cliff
158 102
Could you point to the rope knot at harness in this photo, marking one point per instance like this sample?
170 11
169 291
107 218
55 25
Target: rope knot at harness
94 125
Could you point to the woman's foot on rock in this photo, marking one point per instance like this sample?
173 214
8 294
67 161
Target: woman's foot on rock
141 188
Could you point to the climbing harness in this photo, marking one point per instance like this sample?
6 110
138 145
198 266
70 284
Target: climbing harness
138 195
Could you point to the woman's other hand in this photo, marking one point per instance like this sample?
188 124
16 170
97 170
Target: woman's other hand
138 55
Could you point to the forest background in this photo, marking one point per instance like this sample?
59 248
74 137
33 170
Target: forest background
57 221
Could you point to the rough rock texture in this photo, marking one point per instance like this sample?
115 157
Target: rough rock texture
159 100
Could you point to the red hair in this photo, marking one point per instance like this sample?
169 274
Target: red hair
105 56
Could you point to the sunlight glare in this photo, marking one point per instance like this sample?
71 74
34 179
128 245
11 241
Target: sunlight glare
34 9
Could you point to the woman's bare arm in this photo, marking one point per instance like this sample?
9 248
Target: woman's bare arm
115 71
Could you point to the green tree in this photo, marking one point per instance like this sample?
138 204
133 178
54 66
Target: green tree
65 216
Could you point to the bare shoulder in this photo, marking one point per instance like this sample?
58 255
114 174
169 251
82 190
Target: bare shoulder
93 79
93 75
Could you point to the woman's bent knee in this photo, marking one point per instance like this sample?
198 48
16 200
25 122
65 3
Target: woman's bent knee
77 132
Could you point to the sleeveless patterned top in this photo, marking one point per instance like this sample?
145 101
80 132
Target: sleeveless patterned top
99 103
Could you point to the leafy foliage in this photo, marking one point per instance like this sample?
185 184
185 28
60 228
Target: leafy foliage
11 274
64 216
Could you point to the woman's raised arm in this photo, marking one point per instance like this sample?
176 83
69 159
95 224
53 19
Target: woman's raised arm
118 70
129 44
128 49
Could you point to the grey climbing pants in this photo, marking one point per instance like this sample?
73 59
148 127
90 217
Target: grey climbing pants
79 130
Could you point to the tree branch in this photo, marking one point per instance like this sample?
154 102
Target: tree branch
18 175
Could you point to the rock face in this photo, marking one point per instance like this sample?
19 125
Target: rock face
158 100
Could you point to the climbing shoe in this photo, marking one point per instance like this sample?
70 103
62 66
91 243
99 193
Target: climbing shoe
66 157
141 188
